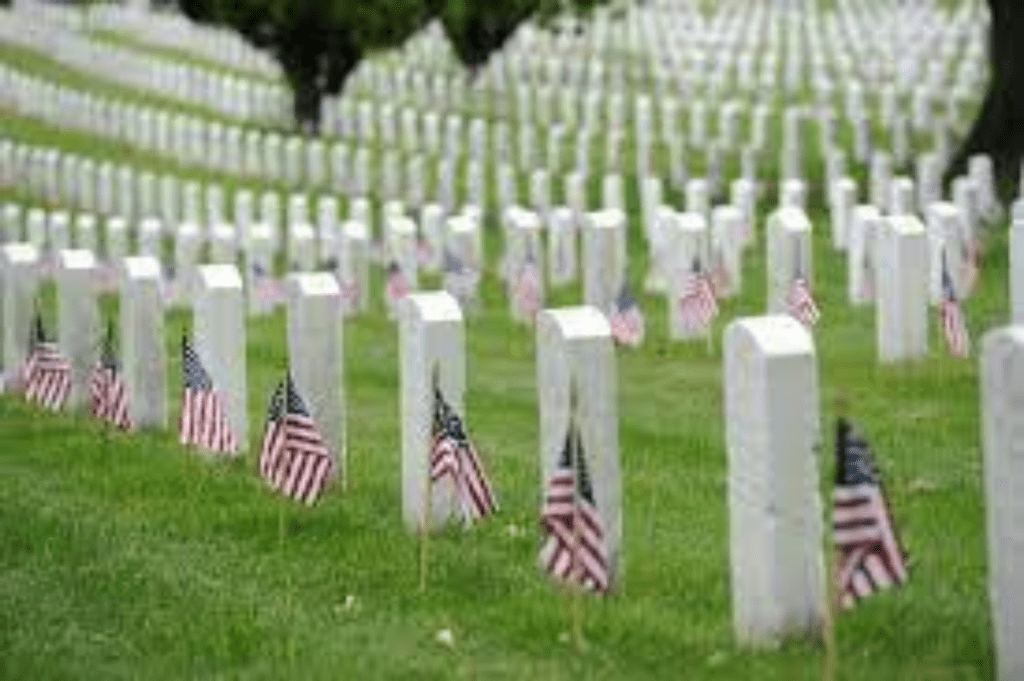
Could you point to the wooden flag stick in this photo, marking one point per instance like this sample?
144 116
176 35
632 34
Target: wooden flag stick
577 571
428 501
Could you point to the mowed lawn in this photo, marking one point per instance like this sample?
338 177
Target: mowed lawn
131 557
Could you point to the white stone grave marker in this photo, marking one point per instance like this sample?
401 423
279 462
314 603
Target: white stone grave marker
772 439
144 362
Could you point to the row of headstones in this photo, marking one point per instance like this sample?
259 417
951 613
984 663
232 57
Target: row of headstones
155 130
236 97
297 161
226 94
771 414
726 44
174 30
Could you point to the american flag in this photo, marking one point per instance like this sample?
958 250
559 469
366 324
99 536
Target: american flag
264 288
870 555
627 322
800 303
204 421
953 325
698 305
527 288
454 457
970 264
294 459
108 395
424 253
867 289
460 280
574 550
46 373
397 285
720 279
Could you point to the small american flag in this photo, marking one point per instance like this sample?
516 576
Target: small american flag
800 303
627 322
870 555
294 459
454 457
460 280
574 549
698 306
867 289
46 373
424 253
264 287
397 285
108 395
203 419
720 279
970 265
953 325
527 288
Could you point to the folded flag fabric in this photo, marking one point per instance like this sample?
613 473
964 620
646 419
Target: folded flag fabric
800 303
698 307
460 280
870 555
204 421
46 373
294 459
954 327
527 288
626 321
453 457
397 285
108 395
574 550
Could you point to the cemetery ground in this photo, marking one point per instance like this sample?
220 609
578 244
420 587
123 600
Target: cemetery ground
131 556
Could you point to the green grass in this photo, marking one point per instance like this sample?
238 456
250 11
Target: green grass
131 557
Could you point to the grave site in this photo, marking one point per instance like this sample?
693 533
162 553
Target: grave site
673 339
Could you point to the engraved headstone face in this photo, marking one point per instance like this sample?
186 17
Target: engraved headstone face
771 414
862 255
218 330
576 385
19 263
902 294
316 357
432 350
143 347
1002 409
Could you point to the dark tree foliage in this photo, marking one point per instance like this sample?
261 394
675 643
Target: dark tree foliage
318 43
999 127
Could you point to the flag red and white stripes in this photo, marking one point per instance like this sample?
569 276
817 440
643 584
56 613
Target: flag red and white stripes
397 285
527 290
453 457
698 307
294 459
626 321
47 376
870 557
204 420
954 329
800 303
575 550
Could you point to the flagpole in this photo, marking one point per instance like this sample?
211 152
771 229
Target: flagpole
577 571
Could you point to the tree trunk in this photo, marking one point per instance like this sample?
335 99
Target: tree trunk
999 128
306 99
